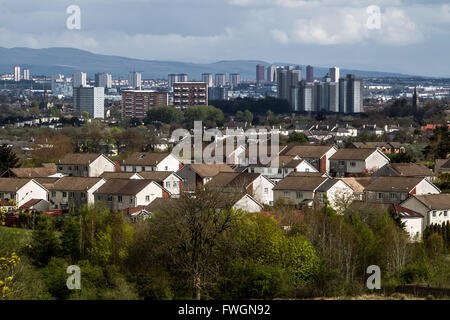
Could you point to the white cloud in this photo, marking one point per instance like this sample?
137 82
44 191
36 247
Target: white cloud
279 36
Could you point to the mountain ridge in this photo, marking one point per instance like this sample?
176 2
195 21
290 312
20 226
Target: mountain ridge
66 60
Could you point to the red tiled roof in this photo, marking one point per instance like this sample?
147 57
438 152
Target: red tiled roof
30 203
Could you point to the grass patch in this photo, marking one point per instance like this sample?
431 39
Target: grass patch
13 239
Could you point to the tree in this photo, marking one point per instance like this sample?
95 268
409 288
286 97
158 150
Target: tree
403 157
70 239
45 244
51 148
245 116
188 235
8 158
297 138
166 114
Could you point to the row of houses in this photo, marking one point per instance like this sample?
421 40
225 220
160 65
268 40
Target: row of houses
306 175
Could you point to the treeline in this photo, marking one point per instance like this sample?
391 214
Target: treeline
191 249
257 106
168 114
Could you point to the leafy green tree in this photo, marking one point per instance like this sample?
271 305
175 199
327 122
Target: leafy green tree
297 138
8 158
166 114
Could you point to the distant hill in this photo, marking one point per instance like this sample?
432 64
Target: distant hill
68 60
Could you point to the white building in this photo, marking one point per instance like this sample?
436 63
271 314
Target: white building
208 78
16 73
21 190
135 80
434 207
334 74
26 74
103 80
79 79
91 100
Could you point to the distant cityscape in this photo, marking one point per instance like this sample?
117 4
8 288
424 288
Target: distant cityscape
334 93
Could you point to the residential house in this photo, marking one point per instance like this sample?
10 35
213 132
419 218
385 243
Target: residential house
404 170
282 167
385 147
21 190
121 194
73 192
169 180
441 166
434 207
358 185
398 189
348 161
47 170
413 220
254 184
150 161
338 194
90 165
318 156
36 205
121 175
298 190
197 175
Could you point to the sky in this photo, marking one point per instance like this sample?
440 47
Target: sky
412 37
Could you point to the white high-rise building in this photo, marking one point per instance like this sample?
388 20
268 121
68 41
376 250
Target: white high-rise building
91 100
26 74
272 73
334 74
79 79
208 78
103 80
16 73
220 80
135 80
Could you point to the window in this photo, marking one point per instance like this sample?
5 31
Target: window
83 195
266 190
352 164
321 197
299 195
175 184
71 194
70 168
434 213
143 169
64 194
110 198
445 213
166 168
168 184
393 196
380 196
119 198
53 194
99 198
341 162
2 195
131 200
134 169
147 198
306 169
60 168
287 194
403 196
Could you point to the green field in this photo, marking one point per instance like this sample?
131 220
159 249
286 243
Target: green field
13 239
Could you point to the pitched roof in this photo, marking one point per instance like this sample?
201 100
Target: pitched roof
352 154
123 186
324 187
47 182
31 203
161 203
394 184
145 158
33 172
74 183
79 158
300 183
157 176
357 184
210 170
307 174
411 169
405 212
12 184
117 175
439 201
233 179
306 151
